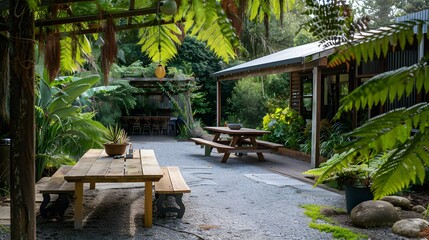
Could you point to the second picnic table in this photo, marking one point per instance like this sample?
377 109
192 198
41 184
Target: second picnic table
240 141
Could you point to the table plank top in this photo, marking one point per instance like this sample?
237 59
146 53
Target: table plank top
241 131
97 166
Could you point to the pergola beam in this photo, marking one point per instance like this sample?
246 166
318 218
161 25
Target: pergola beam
4 4
118 28
95 17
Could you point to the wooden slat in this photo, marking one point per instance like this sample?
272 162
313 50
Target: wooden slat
133 166
149 163
83 165
67 187
116 168
53 185
179 184
99 168
56 183
211 143
172 182
63 170
164 185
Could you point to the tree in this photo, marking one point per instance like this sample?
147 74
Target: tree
247 104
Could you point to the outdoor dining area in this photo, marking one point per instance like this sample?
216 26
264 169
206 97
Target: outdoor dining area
149 125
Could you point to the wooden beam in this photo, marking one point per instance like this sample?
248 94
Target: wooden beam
4 4
132 5
60 2
275 70
22 161
95 17
118 28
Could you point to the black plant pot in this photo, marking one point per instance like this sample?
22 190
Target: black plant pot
356 195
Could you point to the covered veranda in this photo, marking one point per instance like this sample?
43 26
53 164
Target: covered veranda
301 60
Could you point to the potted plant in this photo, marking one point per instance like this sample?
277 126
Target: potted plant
117 140
355 176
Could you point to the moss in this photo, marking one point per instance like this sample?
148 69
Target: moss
313 211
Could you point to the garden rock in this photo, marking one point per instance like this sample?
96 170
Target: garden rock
374 214
410 227
419 209
398 201
329 212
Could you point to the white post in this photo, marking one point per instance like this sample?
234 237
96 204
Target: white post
315 121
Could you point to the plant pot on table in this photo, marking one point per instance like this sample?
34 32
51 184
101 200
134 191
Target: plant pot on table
356 195
113 149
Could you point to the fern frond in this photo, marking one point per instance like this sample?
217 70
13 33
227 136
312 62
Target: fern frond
386 86
409 160
378 41
333 165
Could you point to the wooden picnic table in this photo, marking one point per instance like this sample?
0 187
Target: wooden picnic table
96 167
241 141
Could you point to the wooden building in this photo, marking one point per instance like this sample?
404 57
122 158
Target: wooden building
316 89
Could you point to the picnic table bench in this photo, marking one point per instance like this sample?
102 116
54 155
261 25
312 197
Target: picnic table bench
241 141
271 145
56 184
171 184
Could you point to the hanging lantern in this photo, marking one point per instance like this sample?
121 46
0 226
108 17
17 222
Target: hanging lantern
160 71
168 7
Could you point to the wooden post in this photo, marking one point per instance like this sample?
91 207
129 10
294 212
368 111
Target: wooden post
148 204
22 162
315 123
218 103
78 205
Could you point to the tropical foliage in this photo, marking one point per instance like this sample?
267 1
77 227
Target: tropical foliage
218 24
402 133
63 132
286 127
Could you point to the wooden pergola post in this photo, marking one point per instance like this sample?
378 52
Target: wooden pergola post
22 161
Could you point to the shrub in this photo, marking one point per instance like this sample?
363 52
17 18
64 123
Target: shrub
286 127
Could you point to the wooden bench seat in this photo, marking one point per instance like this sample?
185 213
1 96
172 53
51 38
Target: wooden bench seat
273 146
56 185
221 148
171 184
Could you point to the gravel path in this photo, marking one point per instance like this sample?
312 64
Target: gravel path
237 200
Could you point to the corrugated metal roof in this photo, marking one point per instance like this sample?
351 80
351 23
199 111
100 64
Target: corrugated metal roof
422 15
294 55
300 54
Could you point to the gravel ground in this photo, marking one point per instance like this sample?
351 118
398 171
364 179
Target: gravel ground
227 202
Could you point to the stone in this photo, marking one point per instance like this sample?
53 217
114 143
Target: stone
328 212
398 201
410 227
374 214
419 209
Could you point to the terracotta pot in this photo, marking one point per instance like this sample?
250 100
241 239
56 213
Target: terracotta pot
115 149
